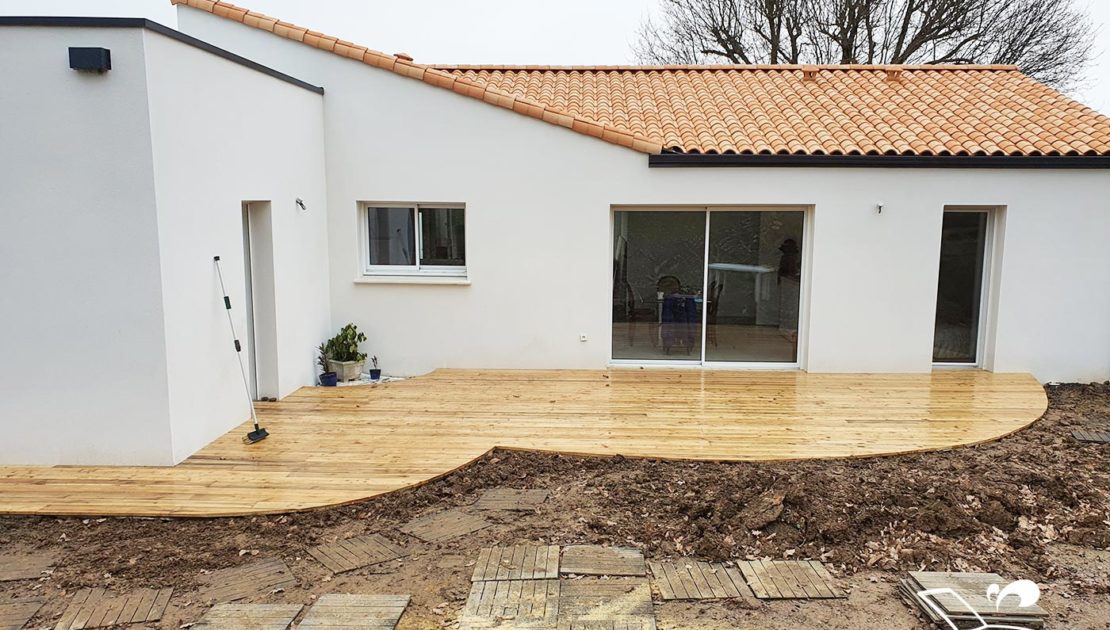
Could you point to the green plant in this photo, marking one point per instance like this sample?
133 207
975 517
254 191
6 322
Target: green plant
344 346
374 361
322 358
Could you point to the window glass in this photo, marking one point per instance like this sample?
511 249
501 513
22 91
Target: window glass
658 273
442 237
960 287
392 236
754 286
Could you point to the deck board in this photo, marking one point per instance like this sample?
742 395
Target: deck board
330 446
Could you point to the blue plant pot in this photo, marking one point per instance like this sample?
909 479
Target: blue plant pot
375 374
329 379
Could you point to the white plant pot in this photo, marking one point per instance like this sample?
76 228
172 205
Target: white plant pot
346 370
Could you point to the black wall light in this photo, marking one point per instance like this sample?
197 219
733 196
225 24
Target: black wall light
90 59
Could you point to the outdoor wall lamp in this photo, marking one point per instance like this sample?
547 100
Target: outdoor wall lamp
98 60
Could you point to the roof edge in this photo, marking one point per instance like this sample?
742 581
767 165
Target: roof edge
742 67
161 29
694 160
428 74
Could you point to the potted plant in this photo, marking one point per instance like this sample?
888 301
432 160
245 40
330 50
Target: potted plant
375 373
344 357
328 378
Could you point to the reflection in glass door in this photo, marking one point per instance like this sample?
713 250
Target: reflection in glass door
963 247
754 286
658 279
733 297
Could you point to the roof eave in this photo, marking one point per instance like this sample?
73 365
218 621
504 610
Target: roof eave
150 25
883 161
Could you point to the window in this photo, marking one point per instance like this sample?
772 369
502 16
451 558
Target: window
415 240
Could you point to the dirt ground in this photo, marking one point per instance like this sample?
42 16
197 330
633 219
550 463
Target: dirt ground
1034 505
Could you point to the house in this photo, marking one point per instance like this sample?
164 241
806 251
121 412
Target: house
831 219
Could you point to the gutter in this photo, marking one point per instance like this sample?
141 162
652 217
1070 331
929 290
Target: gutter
671 160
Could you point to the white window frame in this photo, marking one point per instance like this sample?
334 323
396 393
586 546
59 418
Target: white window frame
417 270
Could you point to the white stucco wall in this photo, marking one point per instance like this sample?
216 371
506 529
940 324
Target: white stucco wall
119 190
224 134
82 352
539 201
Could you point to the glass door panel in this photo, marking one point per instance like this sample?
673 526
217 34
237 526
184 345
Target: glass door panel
658 279
754 286
960 287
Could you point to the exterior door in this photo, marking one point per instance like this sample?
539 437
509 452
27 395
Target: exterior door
707 286
658 279
957 336
754 286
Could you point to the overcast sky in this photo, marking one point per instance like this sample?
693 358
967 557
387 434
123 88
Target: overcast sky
486 31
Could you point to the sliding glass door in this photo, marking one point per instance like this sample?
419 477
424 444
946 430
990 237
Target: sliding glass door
658 278
707 285
755 286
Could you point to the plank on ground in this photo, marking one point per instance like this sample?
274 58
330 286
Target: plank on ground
601 560
355 612
517 562
355 553
15 613
93 608
693 579
258 577
231 616
445 525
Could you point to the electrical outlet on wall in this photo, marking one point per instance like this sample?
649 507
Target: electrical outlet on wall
583 338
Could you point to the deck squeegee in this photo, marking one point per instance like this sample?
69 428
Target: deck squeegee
259 433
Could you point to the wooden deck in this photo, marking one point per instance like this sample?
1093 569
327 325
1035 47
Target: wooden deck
329 446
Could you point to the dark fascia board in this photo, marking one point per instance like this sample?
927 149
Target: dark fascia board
117 22
882 161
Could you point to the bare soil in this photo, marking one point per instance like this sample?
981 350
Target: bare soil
1034 505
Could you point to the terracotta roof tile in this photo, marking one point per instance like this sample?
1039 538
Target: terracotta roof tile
762 109
402 64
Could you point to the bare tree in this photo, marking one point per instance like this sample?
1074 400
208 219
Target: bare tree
1049 39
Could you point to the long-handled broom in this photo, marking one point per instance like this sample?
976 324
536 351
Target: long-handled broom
259 433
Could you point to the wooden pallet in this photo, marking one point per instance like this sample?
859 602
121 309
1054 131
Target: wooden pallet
691 579
259 577
444 525
355 612
512 604
25 566
908 590
511 499
15 613
1092 435
599 560
789 579
249 617
519 562
355 553
972 587
592 603
94 608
